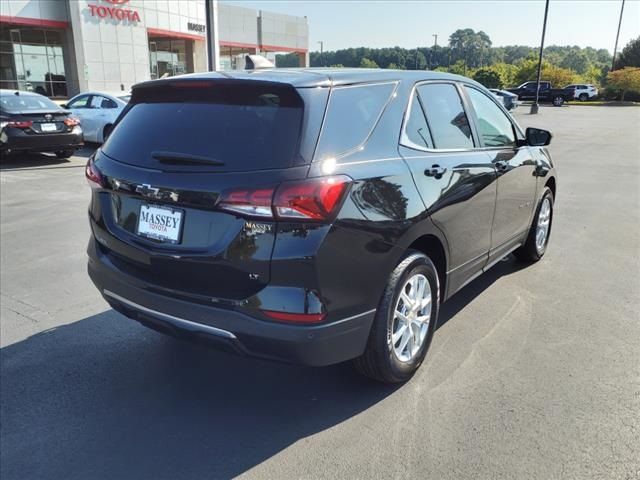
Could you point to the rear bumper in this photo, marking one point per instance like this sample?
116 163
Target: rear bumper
41 142
230 329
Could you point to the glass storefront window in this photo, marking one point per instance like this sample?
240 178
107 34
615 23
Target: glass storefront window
32 59
169 57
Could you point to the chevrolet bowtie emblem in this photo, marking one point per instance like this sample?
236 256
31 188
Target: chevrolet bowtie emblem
147 190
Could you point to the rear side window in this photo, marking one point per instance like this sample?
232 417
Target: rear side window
351 116
446 116
239 126
495 129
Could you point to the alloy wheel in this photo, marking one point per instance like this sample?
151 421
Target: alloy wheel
411 318
544 222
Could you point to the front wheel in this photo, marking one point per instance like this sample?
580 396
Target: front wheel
583 97
64 154
537 240
405 321
558 101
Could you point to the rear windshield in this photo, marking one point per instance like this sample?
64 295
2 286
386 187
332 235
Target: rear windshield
239 127
10 102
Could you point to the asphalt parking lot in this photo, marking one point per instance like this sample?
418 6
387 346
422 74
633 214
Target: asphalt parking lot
533 372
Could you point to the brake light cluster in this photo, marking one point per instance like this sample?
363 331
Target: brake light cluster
314 199
72 121
95 179
25 124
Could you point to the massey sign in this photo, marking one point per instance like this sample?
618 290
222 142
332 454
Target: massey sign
115 11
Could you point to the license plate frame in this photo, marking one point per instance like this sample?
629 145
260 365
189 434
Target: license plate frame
158 236
48 127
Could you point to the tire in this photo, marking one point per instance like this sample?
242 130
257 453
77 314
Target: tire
558 101
583 97
532 251
381 360
64 153
106 131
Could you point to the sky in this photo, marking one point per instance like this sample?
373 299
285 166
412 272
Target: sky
386 23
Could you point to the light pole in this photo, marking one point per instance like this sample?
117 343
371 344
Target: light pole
435 48
534 107
615 49
213 44
321 51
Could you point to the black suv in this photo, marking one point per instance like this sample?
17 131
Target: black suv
312 216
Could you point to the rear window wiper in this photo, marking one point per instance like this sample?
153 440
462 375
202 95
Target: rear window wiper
176 157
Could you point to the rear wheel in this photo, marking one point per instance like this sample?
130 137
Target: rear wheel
583 97
558 101
538 238
405 321
64 153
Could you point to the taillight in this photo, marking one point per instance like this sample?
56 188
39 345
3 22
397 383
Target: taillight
294 317
71 121
25 124
314 199
95 179
251 202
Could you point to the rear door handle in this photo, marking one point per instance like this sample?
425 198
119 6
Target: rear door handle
435 171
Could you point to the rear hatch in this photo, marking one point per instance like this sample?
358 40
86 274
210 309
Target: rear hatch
178 147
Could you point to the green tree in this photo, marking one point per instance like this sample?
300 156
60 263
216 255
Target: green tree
366 63
488 77
630 55
576 61
626 79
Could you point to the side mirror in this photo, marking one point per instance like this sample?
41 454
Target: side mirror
64 105
536 137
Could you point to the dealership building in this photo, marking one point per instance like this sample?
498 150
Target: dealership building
61 47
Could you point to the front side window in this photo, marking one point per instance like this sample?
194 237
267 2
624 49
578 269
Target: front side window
351 116
494 127
80 102
446 116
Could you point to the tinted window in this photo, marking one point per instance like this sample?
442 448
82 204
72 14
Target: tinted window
417 129
494 126
10 102
351 116
80 102
447 120
246 127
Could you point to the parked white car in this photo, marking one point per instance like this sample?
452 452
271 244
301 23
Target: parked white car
97 112
584 92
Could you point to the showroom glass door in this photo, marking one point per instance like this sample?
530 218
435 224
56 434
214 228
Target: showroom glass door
32 59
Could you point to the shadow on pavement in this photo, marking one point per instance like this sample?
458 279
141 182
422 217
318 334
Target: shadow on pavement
43 161
105 398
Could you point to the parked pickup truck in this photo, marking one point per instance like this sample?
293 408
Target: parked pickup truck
557 96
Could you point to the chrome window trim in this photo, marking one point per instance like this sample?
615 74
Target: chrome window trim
404 139
405 142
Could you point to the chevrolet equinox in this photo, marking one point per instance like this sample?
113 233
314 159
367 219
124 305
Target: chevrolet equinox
312 216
